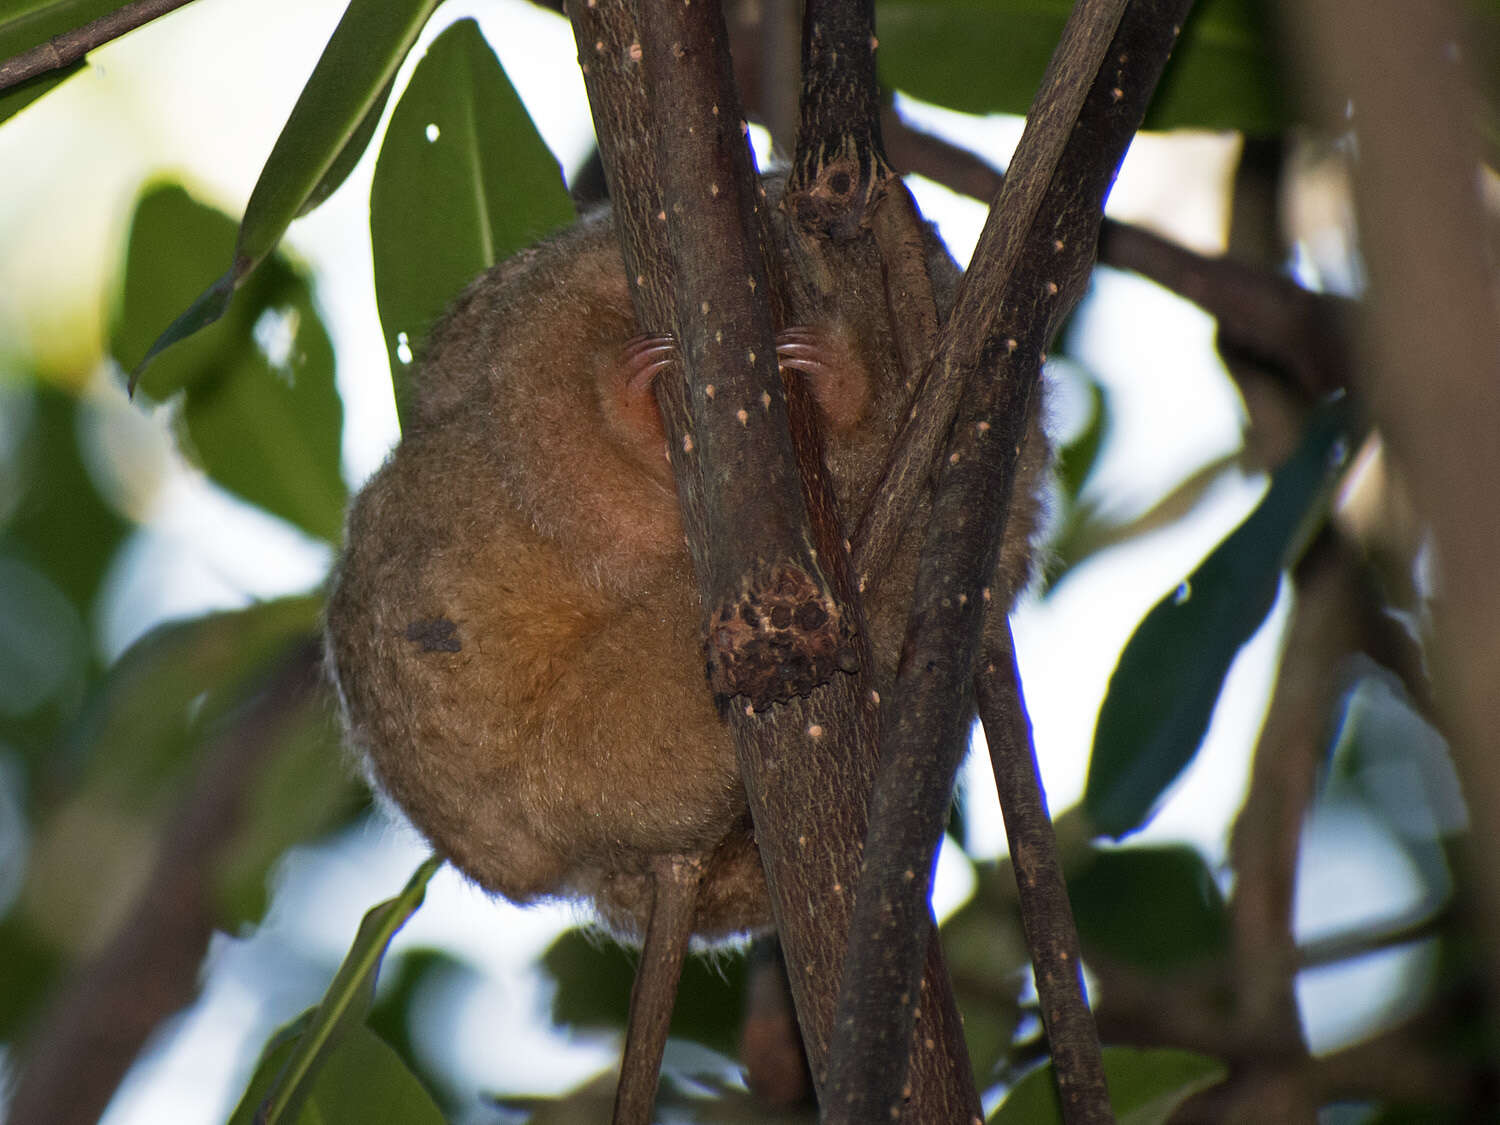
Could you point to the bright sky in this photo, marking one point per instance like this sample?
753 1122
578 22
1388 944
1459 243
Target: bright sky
166 103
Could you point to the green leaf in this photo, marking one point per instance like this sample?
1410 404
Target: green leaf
1165 687
361 1079
594 977
1156 908
260 410
1145 1087
329 127
463 181
289 1079
987 56
141 726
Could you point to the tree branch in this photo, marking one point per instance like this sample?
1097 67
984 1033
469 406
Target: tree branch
675 881
1042 892
1031 265
65 49
1302 336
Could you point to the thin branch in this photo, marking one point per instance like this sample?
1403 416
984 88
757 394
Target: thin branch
1046 914
1302 336
66 49
1031 265
675 880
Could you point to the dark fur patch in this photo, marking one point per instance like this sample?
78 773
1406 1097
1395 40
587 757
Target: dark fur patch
436 634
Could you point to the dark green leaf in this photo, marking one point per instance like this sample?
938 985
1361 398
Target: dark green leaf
988 57
414 977
291 1072
330 125
594 977
1156 908
60 523
29 967
44 652
1164 689
463 181
260 410
1145 1087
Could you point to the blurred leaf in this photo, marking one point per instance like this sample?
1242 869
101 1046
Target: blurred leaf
140 726
1157 908
463 181
1075 460
43 647
289 1082
362 1079
404 984
986 954
988 57
304 789
1087 530
1145 1087
29 968
260 411
330 125
60 522
1165 687
594 977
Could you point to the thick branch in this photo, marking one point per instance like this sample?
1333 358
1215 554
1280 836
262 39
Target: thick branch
1030 266
807 765
66 49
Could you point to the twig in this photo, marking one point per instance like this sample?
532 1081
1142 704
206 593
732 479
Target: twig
65 49
1046 915
675 880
